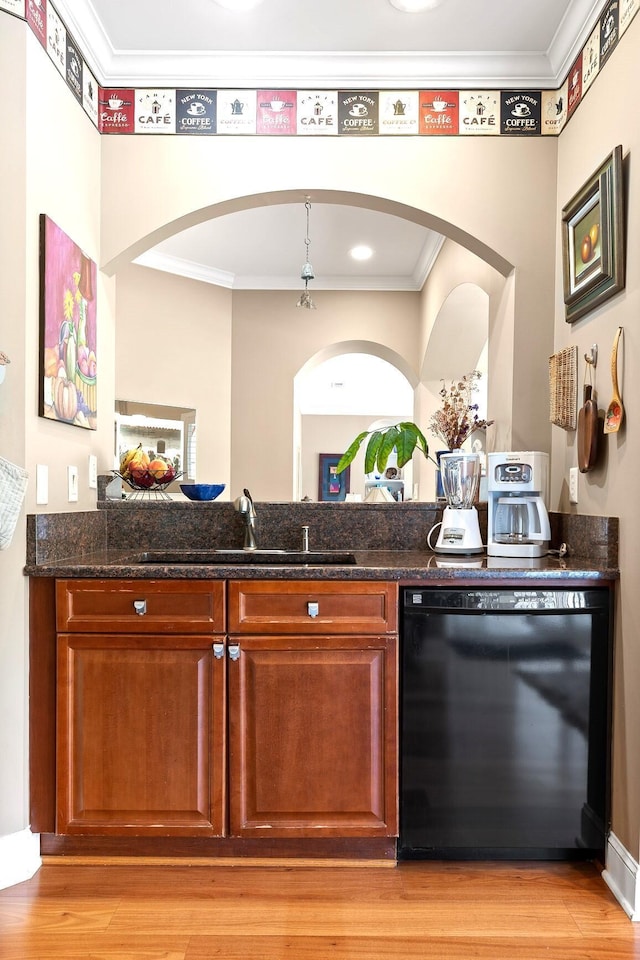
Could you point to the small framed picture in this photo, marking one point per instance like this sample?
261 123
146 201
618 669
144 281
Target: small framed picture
593 240
332 485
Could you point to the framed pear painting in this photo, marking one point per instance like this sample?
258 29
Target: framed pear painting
68 373
593 256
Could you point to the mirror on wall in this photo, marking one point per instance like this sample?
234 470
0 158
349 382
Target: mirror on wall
164 430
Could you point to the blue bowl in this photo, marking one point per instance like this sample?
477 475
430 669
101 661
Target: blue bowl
202 491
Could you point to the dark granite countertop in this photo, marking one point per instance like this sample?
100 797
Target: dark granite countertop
388 542
400 565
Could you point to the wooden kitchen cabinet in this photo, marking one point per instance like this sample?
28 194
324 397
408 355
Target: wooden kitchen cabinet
140 712
169 727
313 714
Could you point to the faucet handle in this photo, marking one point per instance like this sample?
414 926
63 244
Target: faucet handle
305 539
245 505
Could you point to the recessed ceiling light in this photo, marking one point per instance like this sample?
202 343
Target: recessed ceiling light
238 4
415 6
361 252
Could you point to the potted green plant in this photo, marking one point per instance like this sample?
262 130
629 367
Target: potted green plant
453 424
402 437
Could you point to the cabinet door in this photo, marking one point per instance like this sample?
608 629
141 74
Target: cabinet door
141 741
313 737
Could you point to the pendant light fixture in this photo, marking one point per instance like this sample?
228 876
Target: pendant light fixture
307 270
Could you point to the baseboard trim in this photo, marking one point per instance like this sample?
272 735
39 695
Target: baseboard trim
622 876
117 861
19 857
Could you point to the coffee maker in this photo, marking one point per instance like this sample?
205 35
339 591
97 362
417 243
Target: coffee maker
518 522
459 528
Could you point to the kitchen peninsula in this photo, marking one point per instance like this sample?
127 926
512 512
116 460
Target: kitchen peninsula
234 709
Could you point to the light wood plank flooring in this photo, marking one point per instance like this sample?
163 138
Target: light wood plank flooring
439 911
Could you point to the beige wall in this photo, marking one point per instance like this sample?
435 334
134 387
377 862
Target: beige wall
13 646
51 166
173 346
601 122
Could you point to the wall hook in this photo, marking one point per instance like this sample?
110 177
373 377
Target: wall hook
592 356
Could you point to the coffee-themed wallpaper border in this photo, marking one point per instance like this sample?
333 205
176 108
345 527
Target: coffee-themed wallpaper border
250 112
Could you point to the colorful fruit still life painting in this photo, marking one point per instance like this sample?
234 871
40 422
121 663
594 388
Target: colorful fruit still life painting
68 346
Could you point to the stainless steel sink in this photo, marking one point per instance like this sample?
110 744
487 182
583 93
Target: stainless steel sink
233 557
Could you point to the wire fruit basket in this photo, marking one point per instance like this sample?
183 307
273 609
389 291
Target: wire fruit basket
146 486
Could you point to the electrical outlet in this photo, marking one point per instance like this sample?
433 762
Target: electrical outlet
42 483
93 472
573 485
72 484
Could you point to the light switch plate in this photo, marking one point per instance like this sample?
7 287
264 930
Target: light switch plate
93 472
573 485
42 483
72 483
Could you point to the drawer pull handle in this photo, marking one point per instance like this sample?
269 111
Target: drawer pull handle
234 651
313 608
140 607
218 650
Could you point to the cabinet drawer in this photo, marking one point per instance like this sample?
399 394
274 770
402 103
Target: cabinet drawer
140 606
315 606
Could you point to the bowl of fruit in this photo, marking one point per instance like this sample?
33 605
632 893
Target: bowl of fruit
147 473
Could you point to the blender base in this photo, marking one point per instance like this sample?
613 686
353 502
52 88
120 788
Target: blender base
459 532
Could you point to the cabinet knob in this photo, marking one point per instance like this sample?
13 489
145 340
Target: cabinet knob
218 650
313 608
234 651
140 607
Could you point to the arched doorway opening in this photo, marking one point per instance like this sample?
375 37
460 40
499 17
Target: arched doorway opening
335 398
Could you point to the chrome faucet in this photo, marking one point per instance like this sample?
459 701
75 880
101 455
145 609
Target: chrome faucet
245 507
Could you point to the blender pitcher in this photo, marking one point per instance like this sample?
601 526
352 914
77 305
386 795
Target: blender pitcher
459 528
460 474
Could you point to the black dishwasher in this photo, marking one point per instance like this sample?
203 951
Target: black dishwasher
505 723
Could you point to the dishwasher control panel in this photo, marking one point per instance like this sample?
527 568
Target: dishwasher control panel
502 600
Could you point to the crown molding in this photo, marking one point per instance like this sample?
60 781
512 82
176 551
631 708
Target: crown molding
186 268
89 34
328 70
331 70
572 35
180 267
427 258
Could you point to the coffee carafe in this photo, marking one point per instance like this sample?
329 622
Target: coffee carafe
517 522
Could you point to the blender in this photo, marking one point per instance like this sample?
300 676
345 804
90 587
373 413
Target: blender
459 528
